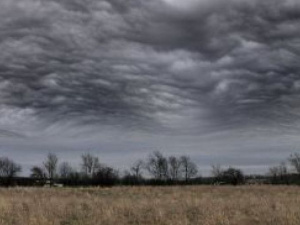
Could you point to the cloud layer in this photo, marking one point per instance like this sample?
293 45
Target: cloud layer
148 63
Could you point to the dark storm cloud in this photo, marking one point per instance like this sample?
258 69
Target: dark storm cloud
134 63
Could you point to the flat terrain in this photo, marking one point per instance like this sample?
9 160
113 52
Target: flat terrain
205 205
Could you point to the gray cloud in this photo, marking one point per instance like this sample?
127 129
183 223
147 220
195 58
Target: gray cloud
155 66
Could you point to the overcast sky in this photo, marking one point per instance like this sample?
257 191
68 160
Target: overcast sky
218 80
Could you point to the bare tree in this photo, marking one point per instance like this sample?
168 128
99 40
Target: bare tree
294 160
37 172
274 172
136 169
216 170
8 168
175 165
233 176
283 171
51 166
279 173
189 168
106 176
90 164
65 170
157 166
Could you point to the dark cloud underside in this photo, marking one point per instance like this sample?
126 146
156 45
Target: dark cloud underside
150 64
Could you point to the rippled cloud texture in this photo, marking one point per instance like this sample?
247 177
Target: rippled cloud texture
216 79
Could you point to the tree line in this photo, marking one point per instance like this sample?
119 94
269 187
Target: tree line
156 169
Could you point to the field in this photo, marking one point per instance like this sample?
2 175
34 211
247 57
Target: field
205 205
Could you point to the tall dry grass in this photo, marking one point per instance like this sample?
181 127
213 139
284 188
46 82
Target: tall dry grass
247 205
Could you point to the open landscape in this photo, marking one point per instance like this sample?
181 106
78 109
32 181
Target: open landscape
205 205
159 112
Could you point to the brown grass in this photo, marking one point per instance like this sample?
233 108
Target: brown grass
205 205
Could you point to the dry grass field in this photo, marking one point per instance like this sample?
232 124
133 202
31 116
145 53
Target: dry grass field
205 205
